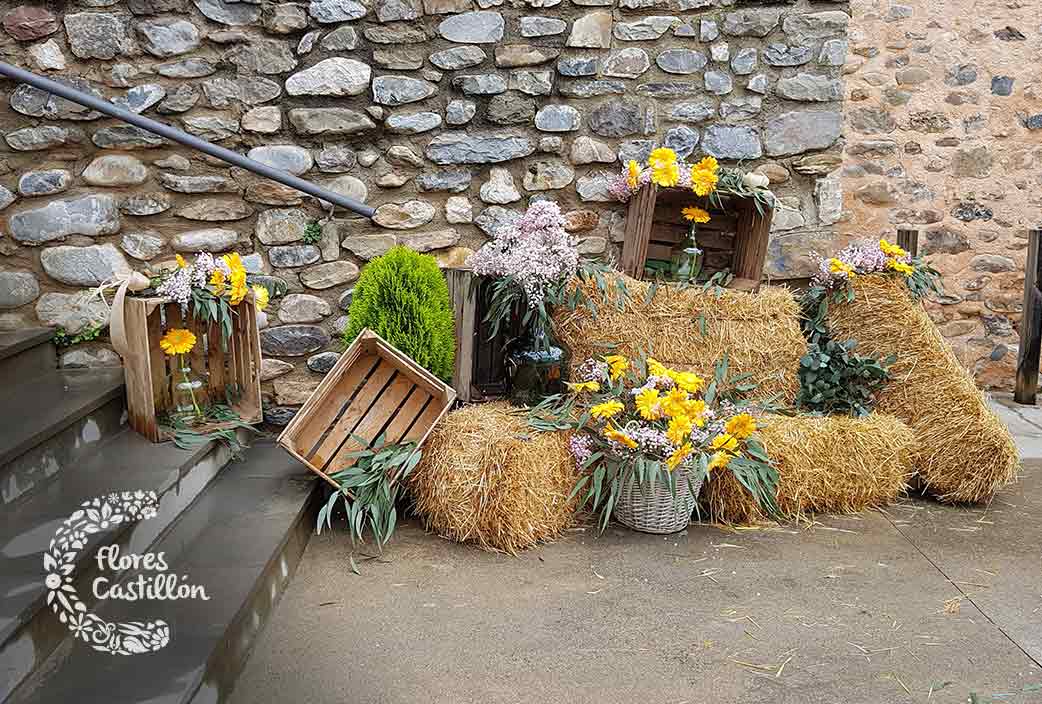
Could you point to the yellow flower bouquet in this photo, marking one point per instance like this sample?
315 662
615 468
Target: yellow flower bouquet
645 437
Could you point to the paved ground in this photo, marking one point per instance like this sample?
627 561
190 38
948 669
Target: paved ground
920 603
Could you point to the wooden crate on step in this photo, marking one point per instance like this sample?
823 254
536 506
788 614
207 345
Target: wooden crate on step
231 368
372 390
735 238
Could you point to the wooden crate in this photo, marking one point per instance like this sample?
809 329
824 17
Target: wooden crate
373 389
736 237
480 357
231 369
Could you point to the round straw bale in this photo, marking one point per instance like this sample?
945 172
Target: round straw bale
487 477
963 452
689 329
826 464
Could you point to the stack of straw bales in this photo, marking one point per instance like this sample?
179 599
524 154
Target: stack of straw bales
487 477
826 464
689 329
962 452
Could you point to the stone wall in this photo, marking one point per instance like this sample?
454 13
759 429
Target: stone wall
448 115
944 134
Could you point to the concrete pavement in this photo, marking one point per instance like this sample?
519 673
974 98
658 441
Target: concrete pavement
920 603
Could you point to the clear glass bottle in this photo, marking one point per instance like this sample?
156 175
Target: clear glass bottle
188 387
687 259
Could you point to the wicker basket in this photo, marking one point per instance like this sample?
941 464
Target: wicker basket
657 510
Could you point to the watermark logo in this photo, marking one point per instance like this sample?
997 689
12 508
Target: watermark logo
153 581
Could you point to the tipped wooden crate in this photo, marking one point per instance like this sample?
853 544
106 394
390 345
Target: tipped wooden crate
372 390
480 372
735 238
231 368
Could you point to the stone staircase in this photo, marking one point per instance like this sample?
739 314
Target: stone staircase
236 527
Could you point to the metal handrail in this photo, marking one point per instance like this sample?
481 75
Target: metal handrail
176 135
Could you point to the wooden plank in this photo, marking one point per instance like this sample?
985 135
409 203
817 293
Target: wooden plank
138 365
638 230
158 363
329 405
751 239
197 357
908 240
215 360
252 411
1026 388
356 410
407 414
425 422
420 376
382 410
463 286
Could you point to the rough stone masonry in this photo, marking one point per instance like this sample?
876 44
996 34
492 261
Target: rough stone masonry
449 116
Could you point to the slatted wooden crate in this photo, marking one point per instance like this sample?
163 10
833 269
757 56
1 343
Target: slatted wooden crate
736 237
480 372
372 390
231 368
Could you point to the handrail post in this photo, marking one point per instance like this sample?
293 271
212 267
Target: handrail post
188 140
1030 324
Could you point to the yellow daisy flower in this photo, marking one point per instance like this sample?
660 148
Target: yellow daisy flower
606 409
656 368
688 381
703 182
723 441
617 365
663 156
260 297
695 409
181 263
679 455
666 175
647 404
906 269
719 460
892 250
709 164
679 429
218 281
580 386
675 402
633 175
619 437
741 426
837 266
693 214
177 341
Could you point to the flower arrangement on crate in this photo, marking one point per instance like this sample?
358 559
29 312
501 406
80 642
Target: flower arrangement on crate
706 179
207 289
532 263
647 436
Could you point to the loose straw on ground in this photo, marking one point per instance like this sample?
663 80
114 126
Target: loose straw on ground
962 452
690 329
486 477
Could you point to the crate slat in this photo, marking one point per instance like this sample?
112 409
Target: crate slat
372 389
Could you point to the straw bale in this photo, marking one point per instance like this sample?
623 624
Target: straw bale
759 332
826 464
486 477
963 452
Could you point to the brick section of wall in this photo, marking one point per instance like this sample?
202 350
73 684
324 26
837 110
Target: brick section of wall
944 134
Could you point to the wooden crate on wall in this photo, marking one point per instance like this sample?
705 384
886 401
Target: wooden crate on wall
735 238
230 367
480 357
372 390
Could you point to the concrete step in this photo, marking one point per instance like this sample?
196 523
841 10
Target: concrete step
241 541
52 421
29 631
25 354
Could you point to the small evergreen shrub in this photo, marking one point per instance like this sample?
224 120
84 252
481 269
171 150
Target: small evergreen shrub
835 379
402 296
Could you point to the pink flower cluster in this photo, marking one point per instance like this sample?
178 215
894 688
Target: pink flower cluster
863 257
178 285
536 252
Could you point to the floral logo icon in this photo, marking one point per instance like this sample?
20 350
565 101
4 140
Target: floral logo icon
93 516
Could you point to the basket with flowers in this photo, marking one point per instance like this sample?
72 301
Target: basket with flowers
191 350
645 437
